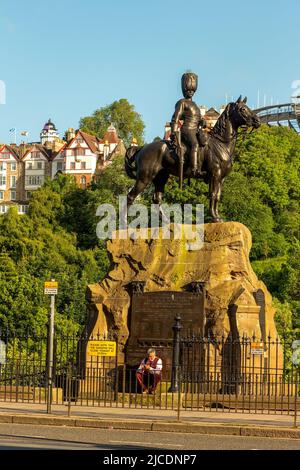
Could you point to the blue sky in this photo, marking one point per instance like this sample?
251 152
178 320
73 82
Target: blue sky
65 58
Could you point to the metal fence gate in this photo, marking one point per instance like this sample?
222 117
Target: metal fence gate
208 374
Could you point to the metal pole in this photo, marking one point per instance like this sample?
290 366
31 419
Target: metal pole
296 399
50 348
176 351
179 395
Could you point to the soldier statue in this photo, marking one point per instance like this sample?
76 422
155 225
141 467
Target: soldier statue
190 133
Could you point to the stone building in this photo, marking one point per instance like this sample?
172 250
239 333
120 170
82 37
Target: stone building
10 178
35 167
24 168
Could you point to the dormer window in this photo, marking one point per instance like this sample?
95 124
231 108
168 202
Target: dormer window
35 154
5 155
79 152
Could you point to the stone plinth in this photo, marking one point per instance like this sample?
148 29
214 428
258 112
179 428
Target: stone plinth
222 263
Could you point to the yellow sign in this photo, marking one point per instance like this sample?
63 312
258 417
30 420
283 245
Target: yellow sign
257 348
50 287
102 348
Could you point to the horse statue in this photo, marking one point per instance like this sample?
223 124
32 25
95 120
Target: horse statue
156 161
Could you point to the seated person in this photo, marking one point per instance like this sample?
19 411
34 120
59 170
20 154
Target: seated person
149 372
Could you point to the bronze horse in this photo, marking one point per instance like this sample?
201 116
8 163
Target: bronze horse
156 161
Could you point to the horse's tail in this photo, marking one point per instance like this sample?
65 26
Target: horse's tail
130 162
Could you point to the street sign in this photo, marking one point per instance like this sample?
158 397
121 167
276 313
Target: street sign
102 348
50 288
296 352
257 349
2 352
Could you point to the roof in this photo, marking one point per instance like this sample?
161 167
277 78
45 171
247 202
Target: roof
91 140
111 135
11 150
40 148
212 113
49 126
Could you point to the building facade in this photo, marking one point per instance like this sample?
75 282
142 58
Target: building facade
35 166
24 168
10 179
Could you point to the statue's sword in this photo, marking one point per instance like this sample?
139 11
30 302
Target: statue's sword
181 156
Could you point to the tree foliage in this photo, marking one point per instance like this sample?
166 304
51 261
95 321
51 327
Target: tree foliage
57 238
122 115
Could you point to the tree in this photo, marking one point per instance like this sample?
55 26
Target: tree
122 115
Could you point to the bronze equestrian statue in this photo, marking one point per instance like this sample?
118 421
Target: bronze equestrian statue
190 133
156 161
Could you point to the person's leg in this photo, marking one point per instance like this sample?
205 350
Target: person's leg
156 378
190 139
140 378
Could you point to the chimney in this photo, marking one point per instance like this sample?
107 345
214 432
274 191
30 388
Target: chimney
70 134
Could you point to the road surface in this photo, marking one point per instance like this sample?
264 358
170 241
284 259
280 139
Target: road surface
23 436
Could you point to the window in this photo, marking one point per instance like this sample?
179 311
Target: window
2 180
13 167
5 155
79 152
83 165
59 166
83 181
72 165
34 180
79 140
35 154
13 195
22 209
13 181
29 165
1 195
3 209
39 165
28 195
2 166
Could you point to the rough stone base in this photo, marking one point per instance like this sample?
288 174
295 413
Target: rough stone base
222 263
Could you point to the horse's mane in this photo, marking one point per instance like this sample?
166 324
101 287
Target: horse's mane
220 126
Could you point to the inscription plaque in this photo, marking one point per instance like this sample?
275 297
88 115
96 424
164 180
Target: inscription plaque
152 317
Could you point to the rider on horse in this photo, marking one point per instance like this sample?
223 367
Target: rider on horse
191 133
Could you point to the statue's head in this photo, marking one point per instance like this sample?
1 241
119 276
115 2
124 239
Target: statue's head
189 84
244 116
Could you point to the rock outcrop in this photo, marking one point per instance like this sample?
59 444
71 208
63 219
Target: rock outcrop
222 263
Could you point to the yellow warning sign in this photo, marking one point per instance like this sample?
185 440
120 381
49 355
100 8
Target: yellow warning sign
102 348
257 348
50 287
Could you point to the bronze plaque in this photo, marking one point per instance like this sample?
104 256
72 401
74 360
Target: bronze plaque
152 317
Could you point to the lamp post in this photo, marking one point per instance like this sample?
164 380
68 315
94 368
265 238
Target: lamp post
176 351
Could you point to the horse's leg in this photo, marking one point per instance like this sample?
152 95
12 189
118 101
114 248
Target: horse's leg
214 193
160 181
138 187
218 197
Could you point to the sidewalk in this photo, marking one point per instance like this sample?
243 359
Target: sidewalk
209 422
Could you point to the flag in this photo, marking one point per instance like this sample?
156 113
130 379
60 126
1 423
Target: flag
24 133
12 130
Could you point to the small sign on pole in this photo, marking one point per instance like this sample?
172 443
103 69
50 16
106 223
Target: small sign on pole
257 348
50 288
102 348
2 352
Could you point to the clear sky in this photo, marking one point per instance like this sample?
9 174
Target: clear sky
65 58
